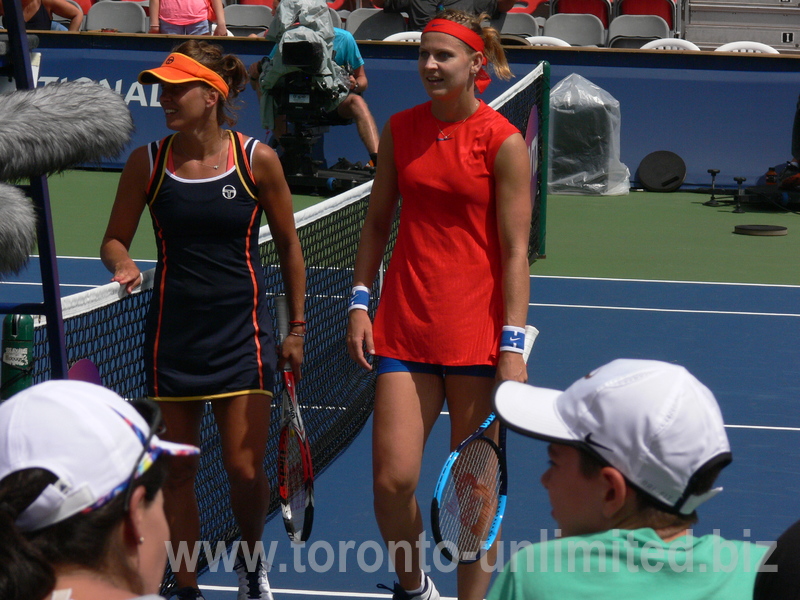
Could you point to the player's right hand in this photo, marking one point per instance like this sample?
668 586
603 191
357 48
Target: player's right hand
128 276
359 337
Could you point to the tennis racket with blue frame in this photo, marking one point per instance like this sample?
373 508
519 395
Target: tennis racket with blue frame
470 495
295 468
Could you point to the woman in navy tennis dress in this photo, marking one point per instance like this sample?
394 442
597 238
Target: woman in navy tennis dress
208 332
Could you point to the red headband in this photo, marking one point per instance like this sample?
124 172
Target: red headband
469 37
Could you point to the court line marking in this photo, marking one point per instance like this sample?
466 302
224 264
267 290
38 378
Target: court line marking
347 594
667 310
768 427
38 284
778 285
764 427
147 260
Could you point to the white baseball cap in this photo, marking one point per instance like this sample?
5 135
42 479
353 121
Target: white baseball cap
652 421
92 440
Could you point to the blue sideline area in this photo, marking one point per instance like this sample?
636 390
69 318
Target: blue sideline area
738 339
731 112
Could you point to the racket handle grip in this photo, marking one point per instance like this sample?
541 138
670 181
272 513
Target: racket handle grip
282 314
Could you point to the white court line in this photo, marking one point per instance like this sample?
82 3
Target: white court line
38 284
733 283
667 310
348 594
765 427
145 260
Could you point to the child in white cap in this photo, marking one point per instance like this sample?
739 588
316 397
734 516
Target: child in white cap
635 448
81 507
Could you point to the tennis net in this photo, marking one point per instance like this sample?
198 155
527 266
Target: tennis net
530 97
107 326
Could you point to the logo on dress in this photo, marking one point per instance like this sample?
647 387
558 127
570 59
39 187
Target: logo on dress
229 192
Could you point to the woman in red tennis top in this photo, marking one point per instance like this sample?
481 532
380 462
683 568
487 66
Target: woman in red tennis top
208 332
456 291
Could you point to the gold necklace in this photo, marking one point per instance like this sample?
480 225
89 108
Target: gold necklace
444 137
197 160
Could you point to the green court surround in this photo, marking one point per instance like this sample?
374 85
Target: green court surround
642 235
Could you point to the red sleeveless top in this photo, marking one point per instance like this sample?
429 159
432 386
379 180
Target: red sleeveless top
442 300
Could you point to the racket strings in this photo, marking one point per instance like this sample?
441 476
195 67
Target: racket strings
293 489
470 499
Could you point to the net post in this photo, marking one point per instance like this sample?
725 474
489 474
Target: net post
544 162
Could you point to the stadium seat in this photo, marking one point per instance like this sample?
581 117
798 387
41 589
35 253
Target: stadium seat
336 18
86 6
124 17
348 5
666 9
546 40
599 8
404 36
268 3
374 23
633 31
532 7
576 29
670 44
512 39
745 46
244 19
515 24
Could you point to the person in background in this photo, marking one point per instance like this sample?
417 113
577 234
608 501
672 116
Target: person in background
38 15
789 179
421 11
208 334
454 304
635 447
353 107
190 17
81 506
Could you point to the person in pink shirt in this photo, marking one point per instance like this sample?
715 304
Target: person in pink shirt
187 17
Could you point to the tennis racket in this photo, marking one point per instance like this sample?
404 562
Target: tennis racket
470 496
295 470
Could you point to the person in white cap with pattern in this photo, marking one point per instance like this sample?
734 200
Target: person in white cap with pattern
635 448
81 507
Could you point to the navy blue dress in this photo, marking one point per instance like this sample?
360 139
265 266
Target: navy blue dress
208 332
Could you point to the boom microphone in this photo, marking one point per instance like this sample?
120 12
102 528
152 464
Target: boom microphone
17 229
52 128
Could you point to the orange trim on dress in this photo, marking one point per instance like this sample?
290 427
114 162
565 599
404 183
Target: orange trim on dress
254 281
161 293
163 147
213 396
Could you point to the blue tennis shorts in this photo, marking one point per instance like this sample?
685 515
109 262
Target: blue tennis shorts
394 365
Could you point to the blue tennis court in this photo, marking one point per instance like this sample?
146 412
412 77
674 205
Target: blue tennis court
738 339
76 274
